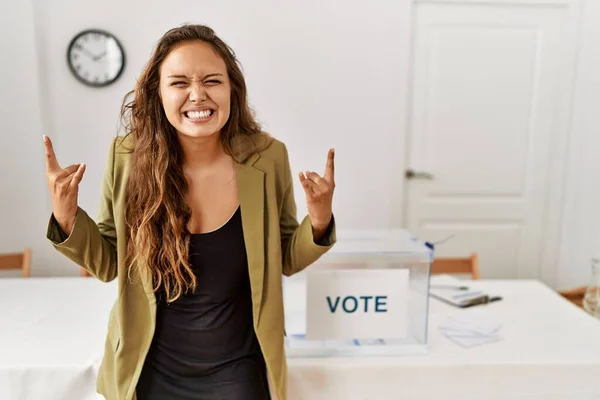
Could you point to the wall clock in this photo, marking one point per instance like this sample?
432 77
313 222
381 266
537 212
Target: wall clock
96 58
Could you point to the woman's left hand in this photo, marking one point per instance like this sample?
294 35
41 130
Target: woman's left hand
319 196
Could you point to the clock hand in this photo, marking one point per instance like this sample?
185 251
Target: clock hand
86 52
99 56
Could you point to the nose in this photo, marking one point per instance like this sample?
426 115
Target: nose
197 93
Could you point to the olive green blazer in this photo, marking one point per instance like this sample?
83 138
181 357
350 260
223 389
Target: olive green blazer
276 244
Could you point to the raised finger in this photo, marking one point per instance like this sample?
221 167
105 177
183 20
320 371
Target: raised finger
329 167
51 162
77 176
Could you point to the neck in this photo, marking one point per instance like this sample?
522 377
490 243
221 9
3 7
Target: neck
201 152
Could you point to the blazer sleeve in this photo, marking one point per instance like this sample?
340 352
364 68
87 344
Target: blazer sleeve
92 245
299 249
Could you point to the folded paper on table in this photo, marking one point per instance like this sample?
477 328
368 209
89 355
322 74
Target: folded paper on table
471 329
456 292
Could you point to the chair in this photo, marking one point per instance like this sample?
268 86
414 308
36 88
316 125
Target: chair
574 295
468 265
20 261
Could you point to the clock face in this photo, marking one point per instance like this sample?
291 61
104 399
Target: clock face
96 58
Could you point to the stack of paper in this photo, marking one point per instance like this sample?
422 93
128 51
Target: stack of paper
456 292
471 329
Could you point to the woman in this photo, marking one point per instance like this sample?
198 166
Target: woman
198 223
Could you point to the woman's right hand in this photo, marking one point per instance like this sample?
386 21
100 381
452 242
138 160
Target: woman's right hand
64 187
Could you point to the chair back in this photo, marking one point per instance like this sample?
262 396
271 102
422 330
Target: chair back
454 266
20 261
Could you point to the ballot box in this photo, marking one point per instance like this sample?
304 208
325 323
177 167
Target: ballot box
368 296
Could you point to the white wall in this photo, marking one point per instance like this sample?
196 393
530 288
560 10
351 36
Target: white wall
317 78
24 208
581 219
320 74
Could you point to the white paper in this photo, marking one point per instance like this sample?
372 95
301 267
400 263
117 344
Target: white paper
471 329
357 304
477 324
470 341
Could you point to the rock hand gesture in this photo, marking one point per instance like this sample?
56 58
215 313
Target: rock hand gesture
319 196
64 188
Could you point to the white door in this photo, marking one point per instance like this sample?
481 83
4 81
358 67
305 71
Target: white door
489 116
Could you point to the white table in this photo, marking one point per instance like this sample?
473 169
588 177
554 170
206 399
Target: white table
52 333
53 330
550 350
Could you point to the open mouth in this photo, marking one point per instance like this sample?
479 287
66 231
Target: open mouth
199 116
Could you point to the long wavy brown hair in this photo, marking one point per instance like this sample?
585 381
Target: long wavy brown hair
156 213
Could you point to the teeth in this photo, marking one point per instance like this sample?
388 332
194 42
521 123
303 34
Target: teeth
198 114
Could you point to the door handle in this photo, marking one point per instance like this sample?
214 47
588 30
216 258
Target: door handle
411 174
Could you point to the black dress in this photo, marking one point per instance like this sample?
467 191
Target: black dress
204 346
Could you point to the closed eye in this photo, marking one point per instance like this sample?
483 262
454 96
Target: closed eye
211 82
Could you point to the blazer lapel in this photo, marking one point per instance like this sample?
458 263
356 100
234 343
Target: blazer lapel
250 183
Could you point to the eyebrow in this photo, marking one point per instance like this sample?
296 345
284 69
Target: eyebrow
186 77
